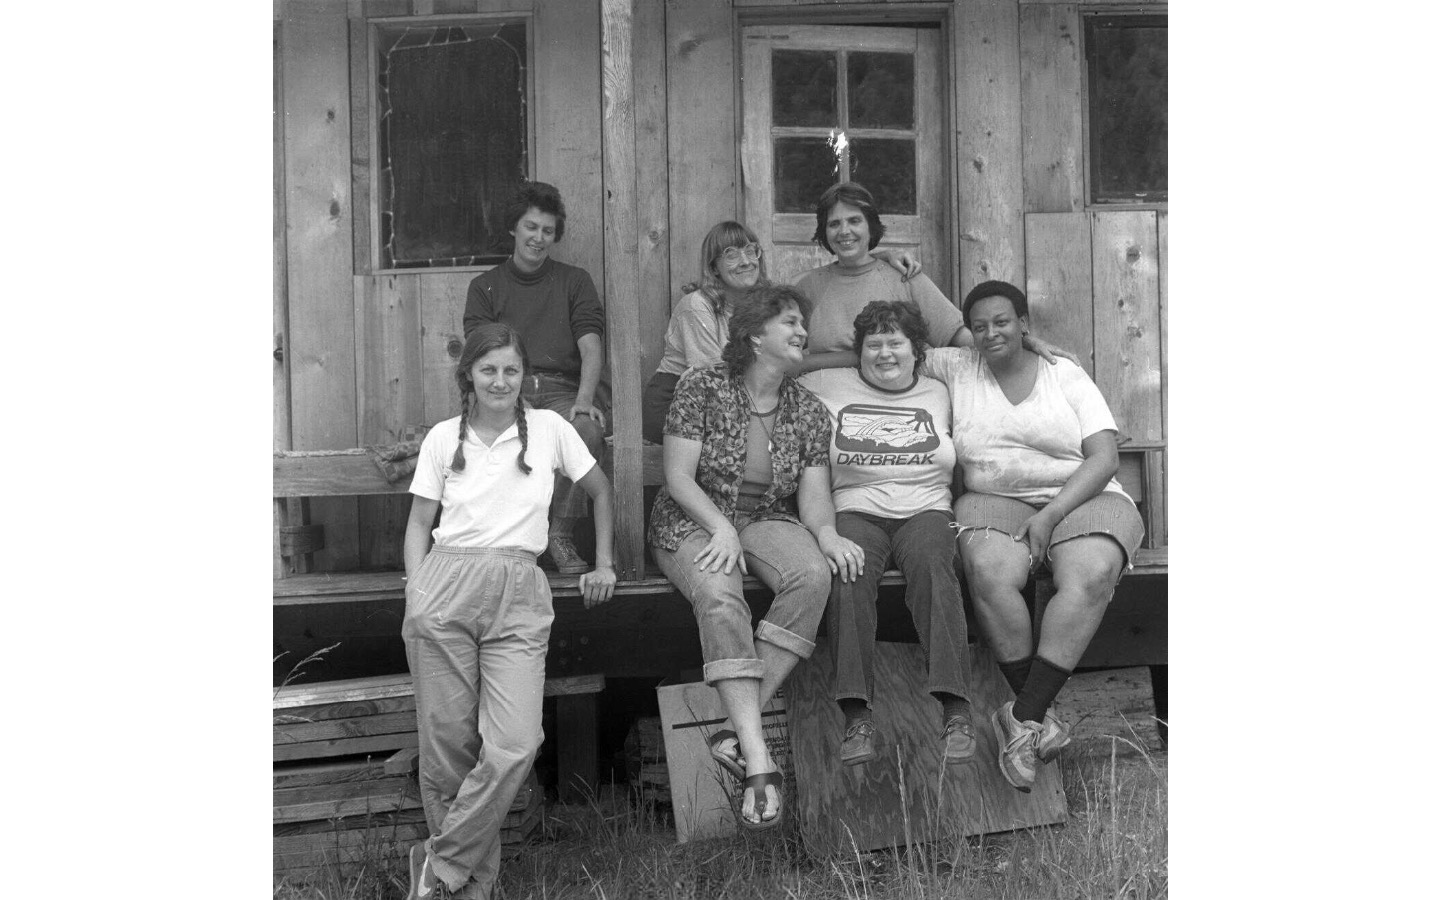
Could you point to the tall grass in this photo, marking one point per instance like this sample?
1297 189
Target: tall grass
1114 846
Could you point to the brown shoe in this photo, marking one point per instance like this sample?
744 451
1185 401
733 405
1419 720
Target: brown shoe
566 558
858 746
959 740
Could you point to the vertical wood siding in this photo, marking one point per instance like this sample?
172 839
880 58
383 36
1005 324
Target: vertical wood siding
1127 319
1050 72
988 160
1057 283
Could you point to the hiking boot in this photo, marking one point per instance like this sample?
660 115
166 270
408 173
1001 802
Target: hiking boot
566 558
1054 737
959 739
1017 747
858 745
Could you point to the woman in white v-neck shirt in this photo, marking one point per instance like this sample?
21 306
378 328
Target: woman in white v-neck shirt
1036 446
478 608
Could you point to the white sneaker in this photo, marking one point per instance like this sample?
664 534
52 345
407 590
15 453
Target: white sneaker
422 877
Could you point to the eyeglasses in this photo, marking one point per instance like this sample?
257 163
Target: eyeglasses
733 255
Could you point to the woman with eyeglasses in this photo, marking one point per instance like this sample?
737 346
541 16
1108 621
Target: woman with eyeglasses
731 266
848 225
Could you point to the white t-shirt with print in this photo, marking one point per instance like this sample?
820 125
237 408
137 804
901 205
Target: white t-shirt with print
1025 450
890 451
491 502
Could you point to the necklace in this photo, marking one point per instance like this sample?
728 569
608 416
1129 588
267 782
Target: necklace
769 431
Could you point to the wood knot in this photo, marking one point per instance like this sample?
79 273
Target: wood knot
1132 253
453 347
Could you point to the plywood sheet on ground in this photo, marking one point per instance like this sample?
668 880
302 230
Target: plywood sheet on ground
906 795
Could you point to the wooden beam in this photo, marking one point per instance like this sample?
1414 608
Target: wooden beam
622 253
315 52
652 182
987 119
379 743
330 473
700 70
1051 129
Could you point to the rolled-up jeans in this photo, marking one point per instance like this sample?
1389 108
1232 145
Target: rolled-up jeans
556 391
922 546
786 558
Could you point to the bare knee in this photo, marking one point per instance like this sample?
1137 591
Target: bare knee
1090 576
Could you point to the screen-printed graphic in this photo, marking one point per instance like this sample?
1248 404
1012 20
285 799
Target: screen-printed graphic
879 429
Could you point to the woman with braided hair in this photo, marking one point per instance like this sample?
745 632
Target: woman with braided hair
478 608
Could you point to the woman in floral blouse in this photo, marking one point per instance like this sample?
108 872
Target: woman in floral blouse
747 490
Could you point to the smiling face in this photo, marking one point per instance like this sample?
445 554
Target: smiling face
996 328
783 339
496 377
887 360
739 266
534 234
848 233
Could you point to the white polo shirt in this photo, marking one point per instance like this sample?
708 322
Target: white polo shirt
492 503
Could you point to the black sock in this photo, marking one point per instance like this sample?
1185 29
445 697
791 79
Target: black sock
854 709
952 705
1045 681
1015 672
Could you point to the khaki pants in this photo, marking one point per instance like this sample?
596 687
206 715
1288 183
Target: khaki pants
477 623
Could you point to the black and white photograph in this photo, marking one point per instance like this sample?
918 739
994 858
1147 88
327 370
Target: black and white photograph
805 361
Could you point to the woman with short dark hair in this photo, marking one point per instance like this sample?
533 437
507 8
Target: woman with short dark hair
1037 448
891 463
747 491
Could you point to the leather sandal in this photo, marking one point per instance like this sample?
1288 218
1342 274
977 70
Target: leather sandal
758 783
735 765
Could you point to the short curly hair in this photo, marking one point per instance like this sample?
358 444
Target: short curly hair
750 318
987 289
855 194
542 196
880 316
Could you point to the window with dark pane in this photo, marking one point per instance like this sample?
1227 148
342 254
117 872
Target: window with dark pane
452 141
804 168
805 88
1127 82
881 89
886 166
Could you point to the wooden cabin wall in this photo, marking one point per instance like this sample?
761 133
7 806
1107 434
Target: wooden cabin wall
372 352
636 119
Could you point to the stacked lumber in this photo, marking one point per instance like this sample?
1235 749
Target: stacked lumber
368 813
340 718
645 761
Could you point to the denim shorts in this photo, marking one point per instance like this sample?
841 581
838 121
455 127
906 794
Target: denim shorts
1106 513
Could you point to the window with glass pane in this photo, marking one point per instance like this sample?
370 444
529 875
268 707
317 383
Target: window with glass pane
1127 83
842 115
452 141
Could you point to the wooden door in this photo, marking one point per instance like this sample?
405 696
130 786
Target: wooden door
828 103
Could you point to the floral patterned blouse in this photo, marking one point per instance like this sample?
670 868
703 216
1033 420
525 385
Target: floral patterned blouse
713 408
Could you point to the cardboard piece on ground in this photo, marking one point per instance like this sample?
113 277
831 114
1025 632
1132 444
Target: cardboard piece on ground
700 791
906 794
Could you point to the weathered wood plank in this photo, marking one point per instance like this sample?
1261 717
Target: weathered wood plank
868 804
700 42
330 474
388 363
1051 129
288 734
296 855
1057 282
305 774
295 699
1113 703
622 254
652 184
280 380
988 164
1159 486
361 105
346 709
567 120
1127 320
442 338
335 801
379 743
315 54
403 762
